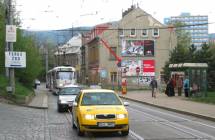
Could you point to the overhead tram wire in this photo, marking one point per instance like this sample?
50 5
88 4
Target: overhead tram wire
151 28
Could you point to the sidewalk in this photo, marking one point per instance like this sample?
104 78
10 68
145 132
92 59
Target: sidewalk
177 103
40 100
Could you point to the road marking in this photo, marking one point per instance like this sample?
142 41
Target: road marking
176 116
135 135
176 125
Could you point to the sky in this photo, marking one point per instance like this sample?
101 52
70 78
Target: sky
61 14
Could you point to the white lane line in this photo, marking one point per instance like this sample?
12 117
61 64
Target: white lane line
135 135
176 125
175 116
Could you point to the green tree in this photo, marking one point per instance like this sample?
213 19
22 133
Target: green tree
211 66
2 37
33 59
24 43
181 53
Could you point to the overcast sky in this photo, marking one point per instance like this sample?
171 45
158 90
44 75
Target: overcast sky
60 14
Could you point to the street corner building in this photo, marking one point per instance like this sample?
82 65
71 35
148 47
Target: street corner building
135 47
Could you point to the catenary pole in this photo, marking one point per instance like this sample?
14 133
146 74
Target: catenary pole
10 47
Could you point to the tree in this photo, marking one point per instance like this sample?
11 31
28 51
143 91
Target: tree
24 43
2 37
211 66
181 53
33 59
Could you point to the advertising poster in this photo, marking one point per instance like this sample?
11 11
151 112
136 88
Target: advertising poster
137 48
130 67
148 48
149 67
132 48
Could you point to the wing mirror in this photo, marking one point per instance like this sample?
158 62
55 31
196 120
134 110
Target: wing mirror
126 103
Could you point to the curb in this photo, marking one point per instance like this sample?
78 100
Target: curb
37 107
173 109
43 106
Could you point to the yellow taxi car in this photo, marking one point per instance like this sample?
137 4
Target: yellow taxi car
99 110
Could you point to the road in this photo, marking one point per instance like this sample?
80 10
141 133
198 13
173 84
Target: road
146 123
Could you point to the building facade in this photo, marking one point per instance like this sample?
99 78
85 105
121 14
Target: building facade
134 48
70 54
197 27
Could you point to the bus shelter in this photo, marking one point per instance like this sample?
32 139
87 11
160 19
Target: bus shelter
197 75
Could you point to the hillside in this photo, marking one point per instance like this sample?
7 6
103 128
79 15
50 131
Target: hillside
56 36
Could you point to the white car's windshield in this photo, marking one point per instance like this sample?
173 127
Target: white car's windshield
70 91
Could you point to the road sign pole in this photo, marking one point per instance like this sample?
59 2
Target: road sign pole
10 48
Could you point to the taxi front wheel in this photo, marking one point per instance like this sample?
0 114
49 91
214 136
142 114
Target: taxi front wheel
80 133
73 124
125 133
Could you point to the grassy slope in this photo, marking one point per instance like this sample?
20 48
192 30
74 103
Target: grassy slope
20 92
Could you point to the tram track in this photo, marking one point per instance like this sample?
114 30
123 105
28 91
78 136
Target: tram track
195 134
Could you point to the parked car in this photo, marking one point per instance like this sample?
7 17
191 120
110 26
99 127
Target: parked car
99 110
36 83
66 96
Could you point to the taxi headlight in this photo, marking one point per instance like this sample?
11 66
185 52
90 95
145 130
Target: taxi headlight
121 116
89 117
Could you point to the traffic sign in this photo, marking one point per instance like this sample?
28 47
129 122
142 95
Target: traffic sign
10 33
15 59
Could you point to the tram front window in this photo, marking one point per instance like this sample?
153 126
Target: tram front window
64 75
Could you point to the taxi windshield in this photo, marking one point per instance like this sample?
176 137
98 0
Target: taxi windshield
100 98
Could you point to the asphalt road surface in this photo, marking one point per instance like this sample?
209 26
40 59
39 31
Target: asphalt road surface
146 123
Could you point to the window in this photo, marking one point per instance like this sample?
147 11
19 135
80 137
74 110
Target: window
113 76
111 56
144 32
155 32
133 32
121 32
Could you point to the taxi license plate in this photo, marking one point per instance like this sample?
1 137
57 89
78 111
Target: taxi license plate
106 124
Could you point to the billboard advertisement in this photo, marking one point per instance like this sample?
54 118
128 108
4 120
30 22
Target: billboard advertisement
130 67
148 48
137 48
149 67
132 47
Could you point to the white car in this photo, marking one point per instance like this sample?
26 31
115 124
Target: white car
66 96
37 82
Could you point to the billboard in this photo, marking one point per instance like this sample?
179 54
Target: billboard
148 48
132 47
130 67
149 67
137 48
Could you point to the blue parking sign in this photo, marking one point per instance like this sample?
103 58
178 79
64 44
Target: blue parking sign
103 73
